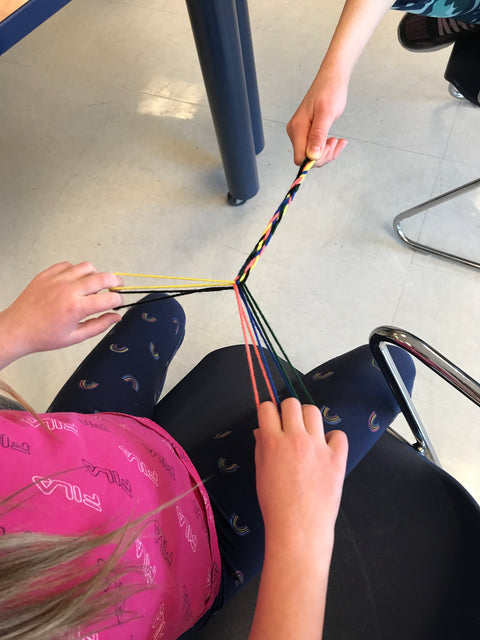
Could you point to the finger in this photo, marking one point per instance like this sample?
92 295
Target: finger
257 434
338 442
341 144
299 152
100 302
268 418
292 416
298 138
312 419
317 138
327 154
95 282
333 148
81 270
94 326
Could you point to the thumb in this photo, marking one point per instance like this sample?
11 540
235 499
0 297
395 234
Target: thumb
317 139
337 441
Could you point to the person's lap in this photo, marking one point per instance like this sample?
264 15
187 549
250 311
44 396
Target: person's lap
212 414
125 372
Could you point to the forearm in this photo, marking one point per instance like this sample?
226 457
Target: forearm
326 98
358 21
292 594
11 344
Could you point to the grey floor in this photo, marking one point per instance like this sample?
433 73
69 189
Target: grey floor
108 154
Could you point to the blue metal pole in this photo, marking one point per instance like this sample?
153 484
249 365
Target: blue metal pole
250 73
217 38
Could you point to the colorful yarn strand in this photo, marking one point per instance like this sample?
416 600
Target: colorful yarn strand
264 340
272 345
270 229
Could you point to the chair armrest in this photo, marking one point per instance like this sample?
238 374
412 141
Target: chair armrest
379 340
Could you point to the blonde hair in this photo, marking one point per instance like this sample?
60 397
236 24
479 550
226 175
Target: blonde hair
19 401
37 599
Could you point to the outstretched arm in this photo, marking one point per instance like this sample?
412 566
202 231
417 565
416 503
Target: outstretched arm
325 101
300 474
53 311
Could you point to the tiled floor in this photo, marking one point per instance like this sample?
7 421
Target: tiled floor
107 153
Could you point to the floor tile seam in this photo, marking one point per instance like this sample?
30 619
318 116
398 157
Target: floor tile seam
442 402
433 190
466 163
19 64
142 6
404 283
432 193
143 92
138 5
373 143
109 85
441 268
447 141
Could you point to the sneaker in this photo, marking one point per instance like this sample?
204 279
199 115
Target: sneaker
422 33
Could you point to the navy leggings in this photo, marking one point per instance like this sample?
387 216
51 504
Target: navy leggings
211 413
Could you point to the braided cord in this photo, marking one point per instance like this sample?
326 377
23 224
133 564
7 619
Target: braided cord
270 229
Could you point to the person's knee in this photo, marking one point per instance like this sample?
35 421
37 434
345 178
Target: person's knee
161 304
229 356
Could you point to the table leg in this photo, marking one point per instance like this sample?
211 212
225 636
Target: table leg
250 74
217 35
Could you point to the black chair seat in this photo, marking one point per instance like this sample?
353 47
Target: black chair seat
406 563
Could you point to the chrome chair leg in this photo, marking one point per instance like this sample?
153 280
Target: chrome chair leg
379 340
427 205
454 92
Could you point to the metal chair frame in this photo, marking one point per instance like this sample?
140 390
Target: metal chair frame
379 340
428 204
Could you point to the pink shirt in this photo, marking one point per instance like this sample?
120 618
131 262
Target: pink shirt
114 469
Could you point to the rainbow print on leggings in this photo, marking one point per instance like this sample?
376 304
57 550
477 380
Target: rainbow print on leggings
133 381
87 386
117 348
224 466
372 425
322 376
240 529
153 351
148 318
330 418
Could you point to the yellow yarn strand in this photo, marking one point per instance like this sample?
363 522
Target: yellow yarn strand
200 282
169 287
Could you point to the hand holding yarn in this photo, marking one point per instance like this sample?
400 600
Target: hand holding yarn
308 128
300 474
54 310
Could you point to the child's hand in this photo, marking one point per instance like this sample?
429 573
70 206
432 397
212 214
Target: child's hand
309 127
300 474
52 311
